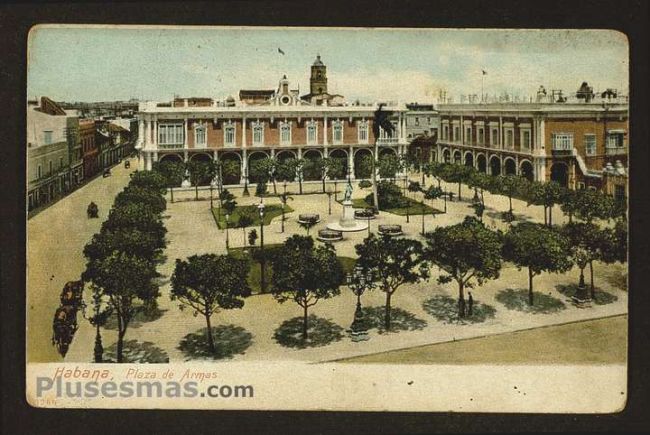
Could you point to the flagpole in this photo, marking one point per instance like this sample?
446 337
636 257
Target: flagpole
482 80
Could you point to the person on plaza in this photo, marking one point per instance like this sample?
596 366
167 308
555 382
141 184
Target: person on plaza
470 304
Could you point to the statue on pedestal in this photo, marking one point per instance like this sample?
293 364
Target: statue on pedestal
348 192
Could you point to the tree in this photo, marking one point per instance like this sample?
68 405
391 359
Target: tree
453 173
590 243
365 166
296 167
433 193
546 195
140 195
252 237
264 170
245 220
508 185
388 166
200 172
207 283
480 181
149 180
102 311
127 283
230 171
467 252
335 168
137 216
392 261
128 240
305 274
226 197
171 171
538 248
413 187
381 124
589 205
435 170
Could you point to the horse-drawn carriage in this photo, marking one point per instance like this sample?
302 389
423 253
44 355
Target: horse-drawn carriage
92 211
65 324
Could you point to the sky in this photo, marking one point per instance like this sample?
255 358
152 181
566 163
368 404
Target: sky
101 63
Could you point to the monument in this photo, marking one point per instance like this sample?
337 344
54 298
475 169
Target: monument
347 222
186 179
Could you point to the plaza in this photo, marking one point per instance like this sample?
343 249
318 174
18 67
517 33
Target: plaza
192 230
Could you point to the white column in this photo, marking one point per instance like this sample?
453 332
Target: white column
244 166
243 132
462 131
155 133
351 163
185 130
501 134
148 162
325 130
141 133
147 133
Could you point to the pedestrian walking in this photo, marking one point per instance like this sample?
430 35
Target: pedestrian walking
470 304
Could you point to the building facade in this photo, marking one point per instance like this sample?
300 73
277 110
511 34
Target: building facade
89 148
261 124
570 142
421 120
51 143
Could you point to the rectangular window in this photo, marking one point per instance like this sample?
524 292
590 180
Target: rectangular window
510 143
525 140
312 133
229 135
258 134
481 137
562 141
468 135
614 140
200 136
337 133
171 134
495 137
446 132
456 134
417 121
590 144
60 162
363 132
39 172
285 134
47 137
51 166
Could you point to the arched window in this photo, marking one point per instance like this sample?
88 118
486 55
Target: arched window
312 133
229 133
362 131
285 133
337 132
200 135
258 133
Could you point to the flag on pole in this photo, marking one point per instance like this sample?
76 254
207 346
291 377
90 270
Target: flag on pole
484 72
280 51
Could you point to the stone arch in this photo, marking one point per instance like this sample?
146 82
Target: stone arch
510 166
200 157
230 167
481 162
458 157
341 155
171 158
284 155
359 171
387 151
495 165
469 159
311 173
560 173
252 158
526 170
446 155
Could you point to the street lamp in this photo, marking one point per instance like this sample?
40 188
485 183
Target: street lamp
260 208
329 204
227 236
359 281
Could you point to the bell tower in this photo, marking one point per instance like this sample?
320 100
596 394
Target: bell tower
318 79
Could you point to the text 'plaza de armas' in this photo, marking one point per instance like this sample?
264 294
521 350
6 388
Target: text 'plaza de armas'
579 140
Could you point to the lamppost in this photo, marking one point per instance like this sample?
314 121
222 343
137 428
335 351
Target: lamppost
227 236
260 208
283 203
359 281
329 204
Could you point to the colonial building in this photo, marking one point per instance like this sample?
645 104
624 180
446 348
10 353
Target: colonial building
89 148
52 145
421 120
263 124
570 141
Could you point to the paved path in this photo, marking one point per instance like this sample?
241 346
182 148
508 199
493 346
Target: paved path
191 230
55 240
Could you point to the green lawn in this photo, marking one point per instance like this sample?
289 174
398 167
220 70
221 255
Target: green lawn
254 275
270 211
414 208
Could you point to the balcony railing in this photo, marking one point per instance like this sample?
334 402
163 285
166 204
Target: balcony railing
612 151
387 140
562 152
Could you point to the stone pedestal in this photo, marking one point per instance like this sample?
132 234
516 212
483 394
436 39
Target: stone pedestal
582 298
186 183
347 222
